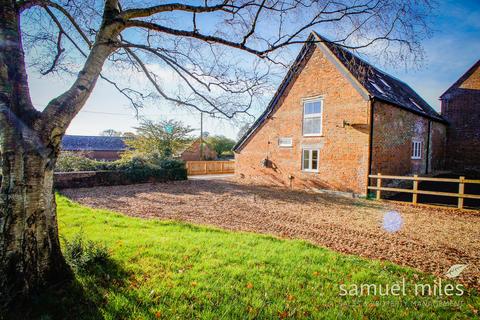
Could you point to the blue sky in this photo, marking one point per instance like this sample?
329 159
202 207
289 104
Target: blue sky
452 49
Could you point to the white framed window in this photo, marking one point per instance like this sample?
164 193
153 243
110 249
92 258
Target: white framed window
310 160
285 142
312 117
416 149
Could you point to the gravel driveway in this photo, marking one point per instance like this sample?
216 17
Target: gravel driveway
428 239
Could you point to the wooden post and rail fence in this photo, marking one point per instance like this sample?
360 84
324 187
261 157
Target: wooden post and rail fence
415 191
210 167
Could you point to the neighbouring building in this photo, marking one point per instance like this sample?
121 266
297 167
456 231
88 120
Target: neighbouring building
334 120
461 108
194 152
94 147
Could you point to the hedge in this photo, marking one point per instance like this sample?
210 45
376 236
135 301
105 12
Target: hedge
73 171
84 179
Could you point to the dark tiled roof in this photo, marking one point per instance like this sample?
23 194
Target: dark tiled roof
379 84
92 143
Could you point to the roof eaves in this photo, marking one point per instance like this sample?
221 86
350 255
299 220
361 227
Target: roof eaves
438 118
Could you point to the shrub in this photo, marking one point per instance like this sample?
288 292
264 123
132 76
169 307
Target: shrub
83 255
172 164
68 162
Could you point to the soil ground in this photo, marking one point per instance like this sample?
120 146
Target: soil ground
429 239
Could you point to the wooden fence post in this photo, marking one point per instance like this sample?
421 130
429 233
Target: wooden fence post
461 190
415 189
206 168
221 167
379 185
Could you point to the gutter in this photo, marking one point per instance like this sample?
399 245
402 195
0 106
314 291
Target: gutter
428 145
370 142
425 115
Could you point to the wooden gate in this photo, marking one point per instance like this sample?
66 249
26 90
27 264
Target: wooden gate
210 167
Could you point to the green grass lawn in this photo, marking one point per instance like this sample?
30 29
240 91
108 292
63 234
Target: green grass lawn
173 270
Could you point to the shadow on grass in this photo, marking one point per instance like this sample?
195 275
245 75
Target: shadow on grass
84 297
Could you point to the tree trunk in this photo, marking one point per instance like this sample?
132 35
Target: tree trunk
30 256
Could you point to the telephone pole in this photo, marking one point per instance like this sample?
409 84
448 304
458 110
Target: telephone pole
201 136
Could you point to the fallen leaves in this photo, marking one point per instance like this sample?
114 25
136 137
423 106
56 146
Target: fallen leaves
283 314
472 308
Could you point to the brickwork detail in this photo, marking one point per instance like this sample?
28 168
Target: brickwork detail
343 163
394 130
461 107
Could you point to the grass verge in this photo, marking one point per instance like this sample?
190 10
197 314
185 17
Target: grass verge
166 270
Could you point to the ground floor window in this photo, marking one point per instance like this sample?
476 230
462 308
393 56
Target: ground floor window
310 160
416 149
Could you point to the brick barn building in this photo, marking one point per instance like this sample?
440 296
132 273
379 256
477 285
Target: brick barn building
94 147
194 153
334 119
461 108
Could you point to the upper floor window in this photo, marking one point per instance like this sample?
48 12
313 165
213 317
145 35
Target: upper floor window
416 149
312 117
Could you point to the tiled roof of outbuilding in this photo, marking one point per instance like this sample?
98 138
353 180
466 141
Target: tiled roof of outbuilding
92 143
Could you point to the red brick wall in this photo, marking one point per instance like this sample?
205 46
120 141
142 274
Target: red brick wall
438 134
343 163
193 152
100 155
461 107
394 129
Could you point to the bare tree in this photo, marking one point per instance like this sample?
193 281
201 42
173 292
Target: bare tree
214 51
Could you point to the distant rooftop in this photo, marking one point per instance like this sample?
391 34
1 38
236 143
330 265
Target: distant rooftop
92 143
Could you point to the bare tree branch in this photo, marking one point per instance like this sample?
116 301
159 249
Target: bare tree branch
147 12
182 50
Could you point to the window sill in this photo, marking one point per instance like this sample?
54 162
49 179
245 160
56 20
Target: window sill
309 171
313 135
416 158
